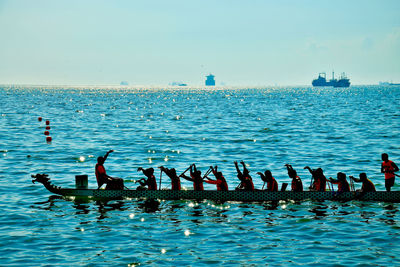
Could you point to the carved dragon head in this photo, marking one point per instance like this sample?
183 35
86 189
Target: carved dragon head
41 178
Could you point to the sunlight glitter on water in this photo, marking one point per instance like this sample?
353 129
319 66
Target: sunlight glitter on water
337 130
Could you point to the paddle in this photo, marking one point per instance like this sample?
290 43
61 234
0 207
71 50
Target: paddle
160 181
329 186
312 182
352 184
263 186
333 189
207 173
185 170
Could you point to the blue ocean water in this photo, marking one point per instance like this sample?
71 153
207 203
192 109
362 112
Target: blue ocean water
336 129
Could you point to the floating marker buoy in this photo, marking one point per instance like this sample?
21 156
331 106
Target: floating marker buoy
47 127
47 122
48 139
46 133
39 119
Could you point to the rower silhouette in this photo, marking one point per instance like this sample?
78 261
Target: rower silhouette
103 178
297 184
389 168
246 182
195 177
175 180
272 184
150 182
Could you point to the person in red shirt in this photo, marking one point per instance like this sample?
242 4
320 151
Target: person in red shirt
343 185
220 182
272 184
297 184
319 183
150 182
389 168
175 180
195 177
103 178
367 185
246 182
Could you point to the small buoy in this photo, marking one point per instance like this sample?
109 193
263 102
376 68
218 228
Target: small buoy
48 139
47 122
39 119
46 133
47 127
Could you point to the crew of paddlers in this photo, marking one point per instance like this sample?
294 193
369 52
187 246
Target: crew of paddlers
318 180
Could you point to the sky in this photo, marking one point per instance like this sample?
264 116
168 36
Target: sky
156 42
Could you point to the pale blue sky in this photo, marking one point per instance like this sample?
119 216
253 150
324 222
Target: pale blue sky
156 42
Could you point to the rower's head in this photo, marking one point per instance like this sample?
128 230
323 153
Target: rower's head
292 173
363 176
151 171
319 171
100 160
385 157
219 175
268 174
341 176
173 171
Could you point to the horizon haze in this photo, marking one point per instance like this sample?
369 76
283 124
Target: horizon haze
257 43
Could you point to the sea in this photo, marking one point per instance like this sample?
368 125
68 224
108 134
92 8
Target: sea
336 129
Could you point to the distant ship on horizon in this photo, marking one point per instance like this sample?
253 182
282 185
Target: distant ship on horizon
321 80
210 80
388 83
178 84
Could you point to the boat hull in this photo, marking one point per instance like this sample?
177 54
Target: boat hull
249 196
254 196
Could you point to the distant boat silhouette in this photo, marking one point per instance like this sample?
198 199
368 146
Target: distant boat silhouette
210 80
321 80
388 83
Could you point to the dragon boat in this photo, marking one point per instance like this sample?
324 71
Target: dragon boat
233 195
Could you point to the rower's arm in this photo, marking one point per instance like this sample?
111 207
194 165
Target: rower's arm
262 176
355 179
333 181
309 169
209 181
106 155
237 168
191 170
244 166
186 177
142 182
289 167
396 169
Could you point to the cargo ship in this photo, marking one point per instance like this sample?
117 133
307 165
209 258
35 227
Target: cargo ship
343 81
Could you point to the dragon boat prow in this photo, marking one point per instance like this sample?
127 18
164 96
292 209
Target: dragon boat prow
233 195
